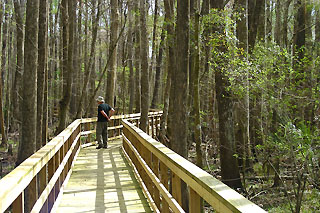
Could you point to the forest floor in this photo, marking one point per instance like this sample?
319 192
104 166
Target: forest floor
259 188
7 161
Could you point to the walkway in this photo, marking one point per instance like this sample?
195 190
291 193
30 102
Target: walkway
103 181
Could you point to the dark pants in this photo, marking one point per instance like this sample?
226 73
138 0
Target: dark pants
102 133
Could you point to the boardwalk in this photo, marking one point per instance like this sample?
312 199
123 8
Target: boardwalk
102 181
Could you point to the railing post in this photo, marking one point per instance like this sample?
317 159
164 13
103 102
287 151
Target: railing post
31 194
155 168
194 201
87 128
18 204
176 188
152 126
164 180
51 169
42 185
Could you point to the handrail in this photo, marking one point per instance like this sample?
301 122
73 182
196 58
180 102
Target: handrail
52 162
156 165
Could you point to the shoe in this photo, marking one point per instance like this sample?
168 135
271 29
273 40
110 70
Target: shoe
105 146
99 147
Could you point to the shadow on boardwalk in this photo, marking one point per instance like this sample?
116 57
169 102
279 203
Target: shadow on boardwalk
102 181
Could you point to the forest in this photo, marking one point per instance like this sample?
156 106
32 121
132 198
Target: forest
238 82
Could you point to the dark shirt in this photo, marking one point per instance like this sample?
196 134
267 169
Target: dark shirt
106 108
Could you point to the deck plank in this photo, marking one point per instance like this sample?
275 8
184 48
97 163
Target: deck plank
102 181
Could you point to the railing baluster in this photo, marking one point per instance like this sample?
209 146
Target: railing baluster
155 169
164 180
176 188
18 204
194 201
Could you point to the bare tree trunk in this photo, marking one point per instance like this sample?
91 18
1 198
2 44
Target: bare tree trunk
27 145
196 124
42 69
155 99
16 89
68 22
2 74
169 19
154 44
131 88
137 57
112 72
144 67
180 89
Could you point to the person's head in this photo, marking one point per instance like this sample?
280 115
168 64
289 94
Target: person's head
100 100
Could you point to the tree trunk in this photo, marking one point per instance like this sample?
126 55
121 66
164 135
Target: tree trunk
137 57
169 20
229 165
277 28
131 88
2 74
155 98
16 89
180 92
196 124
68 32
27 145
144 67
154 44
112 72
42 69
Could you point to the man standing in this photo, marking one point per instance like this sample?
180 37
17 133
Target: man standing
104 114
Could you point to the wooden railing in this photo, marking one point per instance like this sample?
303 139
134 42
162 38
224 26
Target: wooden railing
162 172
43 175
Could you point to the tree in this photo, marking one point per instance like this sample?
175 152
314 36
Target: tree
112 70
41 71
67 39
180 89
27 145
228 162
144 68
137 61
2 74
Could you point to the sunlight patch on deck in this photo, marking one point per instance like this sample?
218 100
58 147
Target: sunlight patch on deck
102 181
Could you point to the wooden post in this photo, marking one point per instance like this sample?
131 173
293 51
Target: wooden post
18 204
164 180
176 188
155 168
194 201
152 127
43 183
31 194
89 135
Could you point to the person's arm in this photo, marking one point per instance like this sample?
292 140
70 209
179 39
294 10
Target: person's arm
111 112
105 115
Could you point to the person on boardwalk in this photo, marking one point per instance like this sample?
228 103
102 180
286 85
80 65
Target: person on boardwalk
104 114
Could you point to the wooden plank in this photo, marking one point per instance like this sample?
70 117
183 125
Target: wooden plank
194 202
102 181
18 204
164 180
155 169
176 188
164 192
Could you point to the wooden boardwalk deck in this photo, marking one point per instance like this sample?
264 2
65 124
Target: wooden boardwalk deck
103 181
